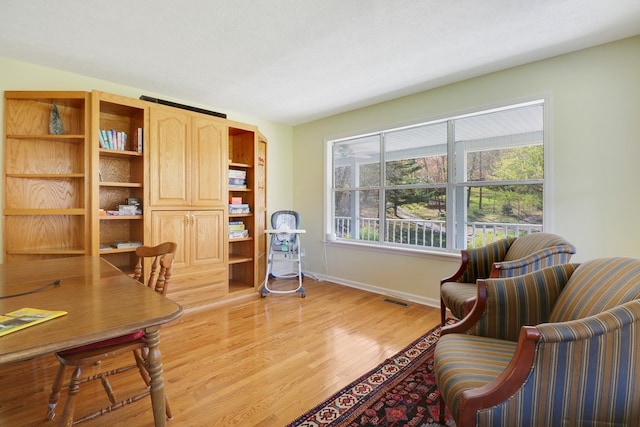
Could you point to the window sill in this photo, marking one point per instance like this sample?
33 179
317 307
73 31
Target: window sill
422 253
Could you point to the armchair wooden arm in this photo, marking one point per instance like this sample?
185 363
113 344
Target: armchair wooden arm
505 385
477 263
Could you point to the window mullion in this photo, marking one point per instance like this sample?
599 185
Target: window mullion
382 211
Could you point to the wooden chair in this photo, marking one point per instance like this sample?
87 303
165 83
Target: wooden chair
161 258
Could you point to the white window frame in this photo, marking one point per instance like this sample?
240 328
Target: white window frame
453 245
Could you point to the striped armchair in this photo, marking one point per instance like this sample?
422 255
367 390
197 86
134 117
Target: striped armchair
504 258
578 366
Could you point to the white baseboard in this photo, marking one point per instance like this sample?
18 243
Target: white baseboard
375 289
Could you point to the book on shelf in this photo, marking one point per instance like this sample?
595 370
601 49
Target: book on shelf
112 139
124 244
237 179
25 317
233 173
137 140
242 208
236 227
103 141
238 234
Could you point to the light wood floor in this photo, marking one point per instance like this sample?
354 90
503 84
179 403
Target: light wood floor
256 362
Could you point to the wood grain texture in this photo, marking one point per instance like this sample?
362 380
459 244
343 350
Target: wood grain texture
45 175
253 362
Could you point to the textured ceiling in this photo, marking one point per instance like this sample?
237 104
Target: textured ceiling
292 61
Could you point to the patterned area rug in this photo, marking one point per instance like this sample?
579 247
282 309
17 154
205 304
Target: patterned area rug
399 392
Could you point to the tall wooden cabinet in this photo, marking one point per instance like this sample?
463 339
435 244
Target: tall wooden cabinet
46 176
187 186
63 192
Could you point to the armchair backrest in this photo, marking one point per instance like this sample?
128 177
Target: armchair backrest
480 260
596 286
530 243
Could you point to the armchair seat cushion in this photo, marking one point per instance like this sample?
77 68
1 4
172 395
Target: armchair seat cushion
467 362
457 296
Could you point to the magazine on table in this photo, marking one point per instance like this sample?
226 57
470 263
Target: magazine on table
25 317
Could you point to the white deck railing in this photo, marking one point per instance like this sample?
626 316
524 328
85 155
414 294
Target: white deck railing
428 233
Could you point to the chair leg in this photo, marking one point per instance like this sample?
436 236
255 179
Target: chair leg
55 392
441 420
70 406
141 361
443 313
167 407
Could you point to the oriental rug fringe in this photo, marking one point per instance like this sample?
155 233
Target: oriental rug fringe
399 392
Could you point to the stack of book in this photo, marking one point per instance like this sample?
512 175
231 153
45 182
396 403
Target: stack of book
112 139
116 140
237 230
237 179
242 208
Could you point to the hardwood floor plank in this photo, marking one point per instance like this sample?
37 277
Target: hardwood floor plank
254 362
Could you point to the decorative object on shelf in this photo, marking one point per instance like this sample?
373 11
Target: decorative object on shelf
127 209
55 121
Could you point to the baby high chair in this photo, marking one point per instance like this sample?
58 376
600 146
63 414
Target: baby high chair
284 248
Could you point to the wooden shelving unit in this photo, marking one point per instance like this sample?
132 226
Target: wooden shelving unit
119 175
243 252
59 187
46 208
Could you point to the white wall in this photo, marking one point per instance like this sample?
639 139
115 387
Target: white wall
595 102
15 75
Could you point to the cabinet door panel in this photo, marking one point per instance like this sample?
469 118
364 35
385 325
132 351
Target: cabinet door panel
209 162
169 158
173 226
208 242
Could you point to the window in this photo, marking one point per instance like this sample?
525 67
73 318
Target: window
448 184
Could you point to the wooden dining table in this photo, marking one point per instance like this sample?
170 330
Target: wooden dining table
102 302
